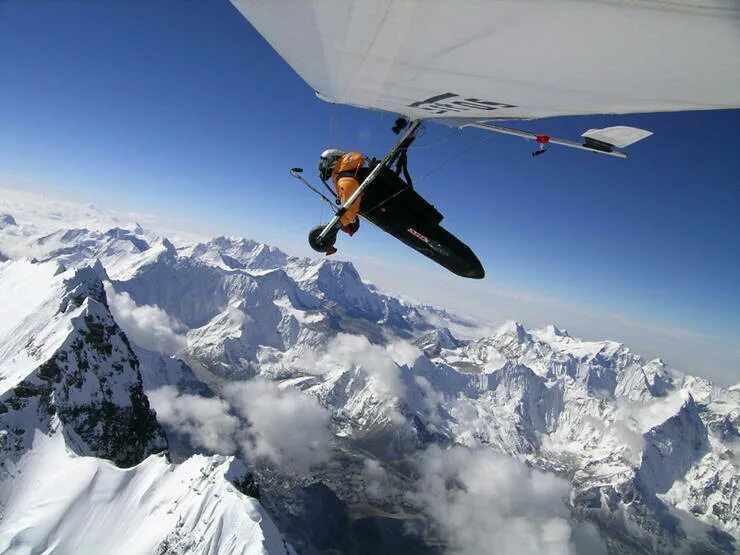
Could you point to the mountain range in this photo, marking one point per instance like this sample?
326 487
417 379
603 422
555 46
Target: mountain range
221 396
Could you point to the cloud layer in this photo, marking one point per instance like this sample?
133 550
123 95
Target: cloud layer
257 420
346 350
480 499
286 427
206 422
148 326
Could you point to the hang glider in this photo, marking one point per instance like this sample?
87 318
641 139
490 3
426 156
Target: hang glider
473 63
394 206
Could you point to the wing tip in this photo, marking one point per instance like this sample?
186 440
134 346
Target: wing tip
619 136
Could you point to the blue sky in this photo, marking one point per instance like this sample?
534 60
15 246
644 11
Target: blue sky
180 108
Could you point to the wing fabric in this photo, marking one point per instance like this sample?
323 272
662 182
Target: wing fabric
509 59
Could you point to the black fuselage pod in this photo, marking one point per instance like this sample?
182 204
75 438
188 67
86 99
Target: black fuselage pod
396 208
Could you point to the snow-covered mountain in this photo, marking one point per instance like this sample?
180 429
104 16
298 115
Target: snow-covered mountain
364 425
83 458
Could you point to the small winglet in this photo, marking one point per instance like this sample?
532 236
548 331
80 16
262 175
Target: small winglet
618 136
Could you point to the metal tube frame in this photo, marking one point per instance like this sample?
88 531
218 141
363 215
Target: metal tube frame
410 130
552 140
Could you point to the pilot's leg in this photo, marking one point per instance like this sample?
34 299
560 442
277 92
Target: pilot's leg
351 229
346 186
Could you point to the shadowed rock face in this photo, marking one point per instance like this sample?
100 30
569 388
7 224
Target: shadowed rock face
318 522
682 440
91 384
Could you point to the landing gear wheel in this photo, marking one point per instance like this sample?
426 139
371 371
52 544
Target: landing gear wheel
318 244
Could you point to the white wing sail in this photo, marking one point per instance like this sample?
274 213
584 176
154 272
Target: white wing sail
509 59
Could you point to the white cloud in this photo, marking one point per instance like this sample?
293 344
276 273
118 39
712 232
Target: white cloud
480 499
347 350
148 326
206 422
633 419
376 480
257 419
374 364
35 209
432 399
286 426
403 352
619 431
631 441
646 416
623 428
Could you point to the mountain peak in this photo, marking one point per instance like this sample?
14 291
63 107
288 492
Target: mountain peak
266 257
339 272
121 234
552 329
99 270
553 335
169 246
516 330
85 283
69 235
435 340
238 253
7 220
225 241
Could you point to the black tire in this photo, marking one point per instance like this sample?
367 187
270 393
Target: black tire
321 245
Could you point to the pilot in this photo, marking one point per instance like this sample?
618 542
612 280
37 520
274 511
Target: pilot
343 169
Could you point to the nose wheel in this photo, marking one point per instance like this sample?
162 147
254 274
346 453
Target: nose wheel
325 245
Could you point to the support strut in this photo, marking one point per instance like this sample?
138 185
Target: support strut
591 146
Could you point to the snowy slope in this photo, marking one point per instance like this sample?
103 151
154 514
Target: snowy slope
83 505
31 327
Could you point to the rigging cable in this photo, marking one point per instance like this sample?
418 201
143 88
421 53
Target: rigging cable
454 157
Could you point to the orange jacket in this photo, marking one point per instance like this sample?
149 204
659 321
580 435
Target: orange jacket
345 181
